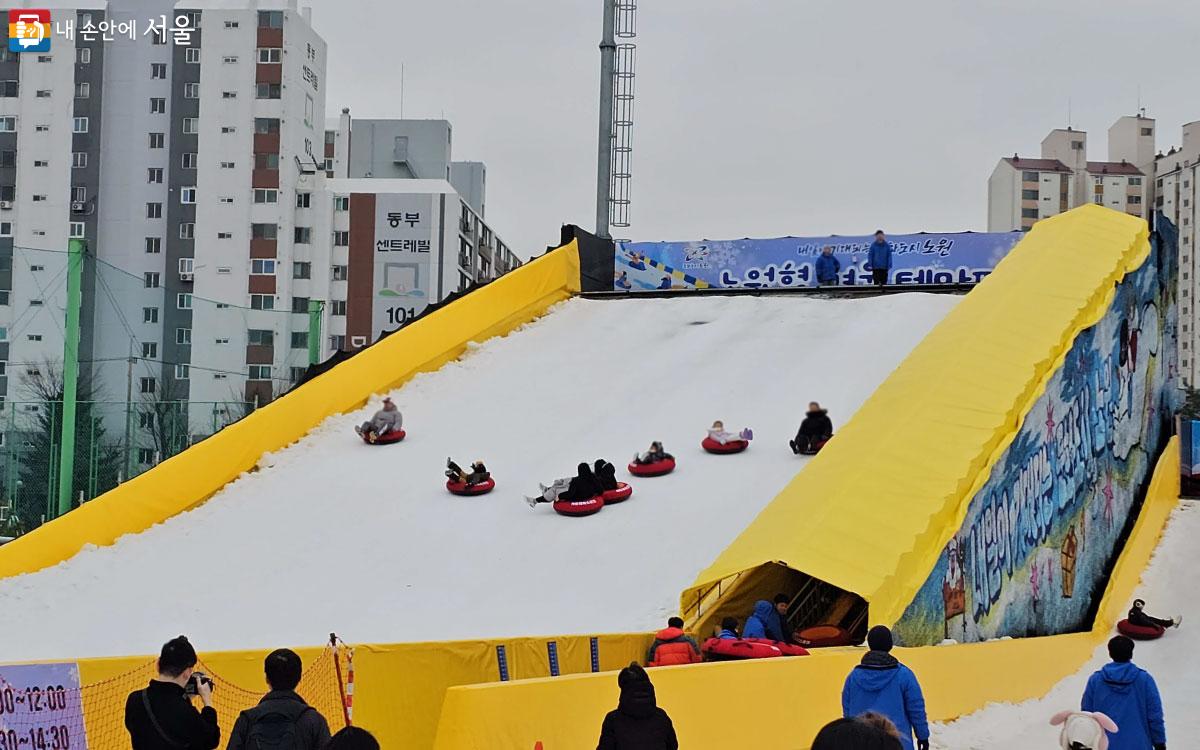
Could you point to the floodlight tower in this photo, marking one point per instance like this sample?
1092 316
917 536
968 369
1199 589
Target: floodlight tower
615 147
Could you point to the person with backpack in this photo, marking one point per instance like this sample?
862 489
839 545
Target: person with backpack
281 720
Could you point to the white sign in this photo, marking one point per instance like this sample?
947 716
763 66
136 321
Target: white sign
404 237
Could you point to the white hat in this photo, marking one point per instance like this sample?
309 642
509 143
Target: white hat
1083 729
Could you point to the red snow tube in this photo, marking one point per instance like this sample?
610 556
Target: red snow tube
579 507
1140 632
655 469
820 636
620 494
725 649
386 438
480 488
812 451
733 446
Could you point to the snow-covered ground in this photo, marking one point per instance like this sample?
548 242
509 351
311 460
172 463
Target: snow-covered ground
1168 586
331 534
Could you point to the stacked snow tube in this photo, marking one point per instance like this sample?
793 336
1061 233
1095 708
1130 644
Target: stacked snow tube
1140 632
730 649
821 636
619 495
733 446
579 507
479 488
654 469
386 438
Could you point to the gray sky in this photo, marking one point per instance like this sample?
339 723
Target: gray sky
764 117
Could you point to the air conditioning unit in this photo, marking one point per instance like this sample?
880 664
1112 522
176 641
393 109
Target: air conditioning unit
185 276
6 204
78 206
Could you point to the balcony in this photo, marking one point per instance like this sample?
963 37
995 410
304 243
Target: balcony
261 284
268 37
266 143
265 178
259 354
263 248
268 73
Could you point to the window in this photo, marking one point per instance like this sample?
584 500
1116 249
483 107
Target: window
150 279
302 270
222 341
303 200
229 59
43 94
79 160
191 91
79 125
189 159
219 376
268 55
228 165
1076 145
40 163
38 336
1147 131
45 58
266 161
83 90
263 231
191 55
191 125
264 125
183 336
340 273
83 55
267 91
149 314
228 129
146 385
186 265
77 230
299 339
341 203
182 372
153 210
154 245
36 268
187 195
9 88
8 124
341 239
262 267
1029 213
296 373
145 455
270 19
224 270
1135 181
38 198
302 235
145 421
187 230
337 342
224 235
158 70
260 337
264 195
157 140
183 301
1135 200
158 105
1029 176
5 231
337 307
78 193
154 175
228 94
149 350
262 302
300 305
309 109
258 372
8 158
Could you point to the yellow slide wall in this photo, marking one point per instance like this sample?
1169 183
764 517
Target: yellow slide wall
781 703
191 477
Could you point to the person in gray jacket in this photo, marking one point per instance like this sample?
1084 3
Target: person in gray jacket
387 419
281 719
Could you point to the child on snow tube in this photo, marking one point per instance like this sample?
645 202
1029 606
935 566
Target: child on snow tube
717 434
477 475
814 431
582 486
1138 624
652 456
386 421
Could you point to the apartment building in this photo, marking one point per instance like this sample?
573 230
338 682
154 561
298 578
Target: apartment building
1175 183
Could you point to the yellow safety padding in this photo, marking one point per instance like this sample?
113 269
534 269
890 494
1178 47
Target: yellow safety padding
191 477
782 703
873 511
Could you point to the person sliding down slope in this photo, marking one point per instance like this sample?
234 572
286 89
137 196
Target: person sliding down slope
814 430
606 475
582 486
478 473
718 434
652 456
388 419
1138 616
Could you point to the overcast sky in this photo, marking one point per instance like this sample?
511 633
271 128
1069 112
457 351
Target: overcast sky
764 117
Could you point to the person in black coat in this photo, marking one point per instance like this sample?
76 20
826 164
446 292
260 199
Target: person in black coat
281 712
637 723
583 486
606 475
162 717
814 430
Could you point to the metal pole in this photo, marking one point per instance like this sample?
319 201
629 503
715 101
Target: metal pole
129 413
608 53
66 463
315 308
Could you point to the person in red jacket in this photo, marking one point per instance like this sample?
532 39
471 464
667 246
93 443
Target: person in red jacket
672 646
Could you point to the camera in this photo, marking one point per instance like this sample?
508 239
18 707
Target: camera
191 689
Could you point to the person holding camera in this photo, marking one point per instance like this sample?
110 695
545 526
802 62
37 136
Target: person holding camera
162 716
281 720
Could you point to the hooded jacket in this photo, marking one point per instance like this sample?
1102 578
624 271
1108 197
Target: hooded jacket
764 623
827 268
884 685
672 646
606 474
1129 696
879 257
727 635
583 485
387 421
637 723
817 424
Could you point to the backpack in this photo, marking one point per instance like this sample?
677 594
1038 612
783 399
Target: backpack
273 726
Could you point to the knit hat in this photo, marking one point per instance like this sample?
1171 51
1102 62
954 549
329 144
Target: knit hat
1083 729
1120 648
879 638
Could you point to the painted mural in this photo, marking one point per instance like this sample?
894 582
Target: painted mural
1038 538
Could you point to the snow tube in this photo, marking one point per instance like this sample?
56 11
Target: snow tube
386 438
579 507
815 447
820 636
1140 632
620 494
655 469
462 488
733 446
726 649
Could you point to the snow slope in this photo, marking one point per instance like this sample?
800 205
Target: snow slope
1168 587
331 534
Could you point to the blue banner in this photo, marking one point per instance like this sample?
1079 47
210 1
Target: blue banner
789 262
41 707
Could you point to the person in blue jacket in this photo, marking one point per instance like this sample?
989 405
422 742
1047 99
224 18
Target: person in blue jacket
882 684
764 623
1128 695
827 267
879 259
729 629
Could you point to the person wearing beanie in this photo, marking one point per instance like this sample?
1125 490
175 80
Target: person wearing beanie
161 716
637 723
883 685
1082 730
1129 696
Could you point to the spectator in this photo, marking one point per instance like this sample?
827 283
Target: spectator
1082 730
672 646
388 419
871 731
763 622
637 723
729 629
828 268
879 259
353 738
281 720
1129 695
882 684
781 613
161 716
